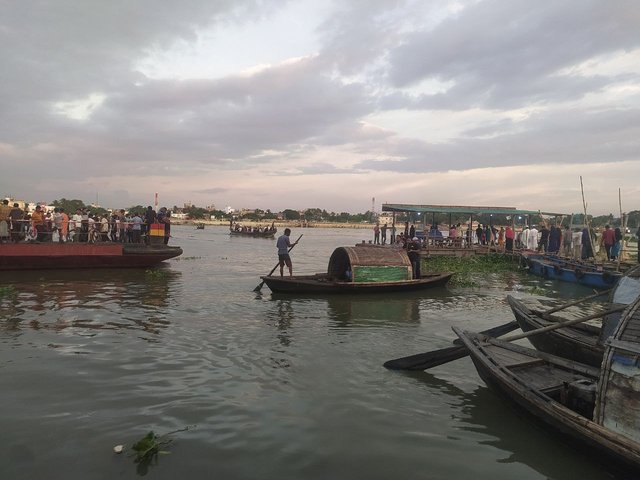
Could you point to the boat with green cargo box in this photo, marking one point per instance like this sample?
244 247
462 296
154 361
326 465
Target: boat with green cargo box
361 269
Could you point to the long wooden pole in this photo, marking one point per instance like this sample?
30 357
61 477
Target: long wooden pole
586 220
622 228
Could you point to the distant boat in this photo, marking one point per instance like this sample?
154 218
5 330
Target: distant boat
268 232
199 226
359 269
50 255
557 268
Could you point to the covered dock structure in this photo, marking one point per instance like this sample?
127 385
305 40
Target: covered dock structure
516 217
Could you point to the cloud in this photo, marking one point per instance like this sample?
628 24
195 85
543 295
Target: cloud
321 99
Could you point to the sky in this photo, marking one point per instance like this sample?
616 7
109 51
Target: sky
339 105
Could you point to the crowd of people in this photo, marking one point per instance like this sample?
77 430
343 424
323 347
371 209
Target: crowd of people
83 226
575 243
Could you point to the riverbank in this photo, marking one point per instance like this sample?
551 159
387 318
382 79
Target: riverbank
278 223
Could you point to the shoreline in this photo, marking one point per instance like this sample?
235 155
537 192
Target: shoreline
278 223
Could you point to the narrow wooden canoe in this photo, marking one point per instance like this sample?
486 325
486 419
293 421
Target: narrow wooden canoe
323 283
579 342
556 391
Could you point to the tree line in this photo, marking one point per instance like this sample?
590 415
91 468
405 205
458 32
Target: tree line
321 215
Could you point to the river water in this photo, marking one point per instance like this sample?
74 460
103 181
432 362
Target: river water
270 387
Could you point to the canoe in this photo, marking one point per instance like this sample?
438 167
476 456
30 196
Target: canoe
596 409
556 268
582 342
263 234
361 269
323 283
39 256
578 342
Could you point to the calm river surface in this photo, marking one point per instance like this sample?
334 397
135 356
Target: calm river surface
272 387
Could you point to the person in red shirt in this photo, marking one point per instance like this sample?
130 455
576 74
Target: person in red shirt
608 240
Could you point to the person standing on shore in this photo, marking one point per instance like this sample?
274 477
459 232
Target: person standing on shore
383 232
376 234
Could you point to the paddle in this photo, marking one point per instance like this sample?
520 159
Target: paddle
575 302
424 361
261 284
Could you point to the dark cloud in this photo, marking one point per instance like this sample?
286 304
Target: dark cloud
505 54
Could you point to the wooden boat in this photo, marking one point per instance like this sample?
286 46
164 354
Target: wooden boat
597 409
360 269
557 268
579 342
267 233
582 342
37 256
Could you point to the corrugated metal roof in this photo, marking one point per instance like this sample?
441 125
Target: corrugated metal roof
468 209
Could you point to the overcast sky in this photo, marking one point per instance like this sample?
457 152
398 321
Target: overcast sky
274 104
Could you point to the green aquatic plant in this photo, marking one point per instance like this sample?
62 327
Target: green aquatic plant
148 447
156 274
7 291
468 271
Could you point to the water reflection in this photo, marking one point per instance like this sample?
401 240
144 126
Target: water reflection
506 428
87 301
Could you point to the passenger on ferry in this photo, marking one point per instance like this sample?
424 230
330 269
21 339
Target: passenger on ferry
16 217
136 228
63 234
37 222
5 211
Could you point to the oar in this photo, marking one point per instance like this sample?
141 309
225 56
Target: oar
424 361
261 284
575 302
566 323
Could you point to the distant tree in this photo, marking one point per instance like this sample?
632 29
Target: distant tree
136 210
313 215
69 205
289 214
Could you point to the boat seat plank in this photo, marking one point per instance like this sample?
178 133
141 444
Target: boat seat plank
546 377
508 358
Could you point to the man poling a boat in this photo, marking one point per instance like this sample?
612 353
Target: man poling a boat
283 244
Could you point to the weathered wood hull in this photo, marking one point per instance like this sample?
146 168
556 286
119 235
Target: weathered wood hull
555 268
321 283
545 387
569 342
39 256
